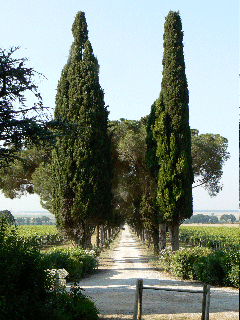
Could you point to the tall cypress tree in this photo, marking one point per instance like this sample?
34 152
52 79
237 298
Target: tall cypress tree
172 132
81 160
153 165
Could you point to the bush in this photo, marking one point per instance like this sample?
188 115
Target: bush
184 260
166 259
233 276
7 216
76 261
25 286
71 305
213 269
219 267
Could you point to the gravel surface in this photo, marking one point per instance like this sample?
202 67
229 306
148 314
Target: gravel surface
113 289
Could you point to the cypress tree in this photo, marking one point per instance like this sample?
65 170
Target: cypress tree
81 160
153 165
172 133
150 157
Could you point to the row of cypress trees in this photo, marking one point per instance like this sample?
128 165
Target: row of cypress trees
81 165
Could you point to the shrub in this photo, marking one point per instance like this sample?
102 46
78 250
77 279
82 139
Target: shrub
166 259
76 261
219 267
213 269
184 260
24 284
71 305
233 276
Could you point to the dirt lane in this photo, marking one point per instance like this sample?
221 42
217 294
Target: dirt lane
113 290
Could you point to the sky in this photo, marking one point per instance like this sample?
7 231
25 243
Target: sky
127 39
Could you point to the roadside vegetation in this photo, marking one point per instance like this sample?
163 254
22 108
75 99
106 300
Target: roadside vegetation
26 288
207 254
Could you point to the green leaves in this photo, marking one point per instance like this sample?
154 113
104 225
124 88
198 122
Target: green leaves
209 152
21 124
81 166
171 129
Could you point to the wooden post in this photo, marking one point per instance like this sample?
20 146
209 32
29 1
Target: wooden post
205 302
135 311
140 290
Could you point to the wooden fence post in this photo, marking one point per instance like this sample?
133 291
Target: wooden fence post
205 302
140 290
135 312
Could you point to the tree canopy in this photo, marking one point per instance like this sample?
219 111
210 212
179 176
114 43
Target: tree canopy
172 132
21 123
81 160
209 152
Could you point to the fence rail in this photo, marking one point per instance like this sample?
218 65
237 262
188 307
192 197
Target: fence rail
138 298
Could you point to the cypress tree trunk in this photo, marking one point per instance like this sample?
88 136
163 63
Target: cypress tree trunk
102 235
162 236
109 232
155 236
174 236
86 242
97 236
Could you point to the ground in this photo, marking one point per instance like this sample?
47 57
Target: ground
113 288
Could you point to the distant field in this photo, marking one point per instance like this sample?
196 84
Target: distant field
211 225
211 236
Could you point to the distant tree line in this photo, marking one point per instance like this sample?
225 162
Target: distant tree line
203 218
34 221
9 218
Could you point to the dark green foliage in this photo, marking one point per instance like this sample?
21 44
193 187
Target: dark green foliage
76 261
202 218
184 261
71 306
42 182
227 218
81 166
23 282
206 167
17 180
25 286
150 217
220 267
6 215
172 131
21 124
151 157
131 176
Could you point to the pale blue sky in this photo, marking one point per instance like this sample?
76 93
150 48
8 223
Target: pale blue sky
127 38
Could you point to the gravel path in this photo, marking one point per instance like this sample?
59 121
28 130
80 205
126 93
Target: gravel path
113 290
